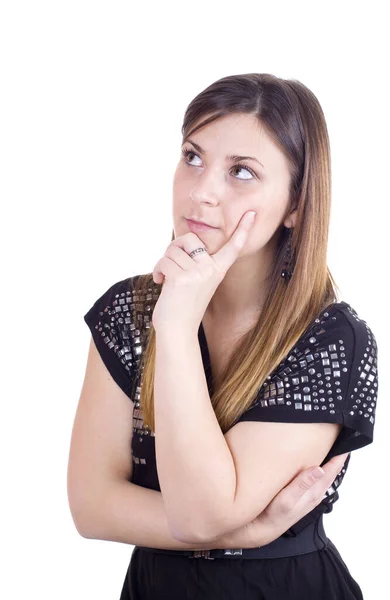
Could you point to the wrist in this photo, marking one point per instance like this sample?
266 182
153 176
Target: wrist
253 536
167 331
264 530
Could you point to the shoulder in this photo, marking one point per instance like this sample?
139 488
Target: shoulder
362 390
350 335
111 311
340 348
342 341
125 308
363 335
330 360
339 327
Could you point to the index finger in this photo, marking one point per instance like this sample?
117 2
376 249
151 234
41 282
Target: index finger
226 256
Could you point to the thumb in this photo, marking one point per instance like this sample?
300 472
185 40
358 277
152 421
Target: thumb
329 471
325 474
335 464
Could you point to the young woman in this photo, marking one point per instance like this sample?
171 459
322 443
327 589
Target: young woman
241 365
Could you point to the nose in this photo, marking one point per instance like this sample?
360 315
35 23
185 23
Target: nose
205 192
203 198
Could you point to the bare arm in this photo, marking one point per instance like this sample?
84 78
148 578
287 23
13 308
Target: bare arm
104 504
194 484
132 514
135 515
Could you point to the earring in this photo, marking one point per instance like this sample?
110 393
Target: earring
288 267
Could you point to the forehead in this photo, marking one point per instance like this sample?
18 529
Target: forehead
236 126
241 134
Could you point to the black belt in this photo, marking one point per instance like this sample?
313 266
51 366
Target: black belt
310 539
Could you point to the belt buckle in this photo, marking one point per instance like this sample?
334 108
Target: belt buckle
233 552
201 554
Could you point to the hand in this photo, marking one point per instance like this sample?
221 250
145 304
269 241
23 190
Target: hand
293 502
290 505
190 283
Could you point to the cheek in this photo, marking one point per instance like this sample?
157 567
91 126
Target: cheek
178 196
180 190
264 227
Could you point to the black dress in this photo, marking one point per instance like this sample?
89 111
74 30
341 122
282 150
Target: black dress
329 376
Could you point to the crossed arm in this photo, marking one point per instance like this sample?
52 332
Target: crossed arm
211 483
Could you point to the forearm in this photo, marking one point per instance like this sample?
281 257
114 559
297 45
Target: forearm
195 467
132 514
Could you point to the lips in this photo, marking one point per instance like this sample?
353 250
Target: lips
201 223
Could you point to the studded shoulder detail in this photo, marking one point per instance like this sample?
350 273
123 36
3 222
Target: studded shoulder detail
115 334
326 376
361 397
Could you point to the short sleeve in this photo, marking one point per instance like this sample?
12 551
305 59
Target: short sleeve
330 376
110 323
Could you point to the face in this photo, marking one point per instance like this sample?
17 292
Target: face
218 190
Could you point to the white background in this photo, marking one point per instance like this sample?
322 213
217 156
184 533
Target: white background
92 100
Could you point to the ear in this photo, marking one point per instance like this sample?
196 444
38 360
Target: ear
291 219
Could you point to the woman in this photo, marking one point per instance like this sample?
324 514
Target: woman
251 369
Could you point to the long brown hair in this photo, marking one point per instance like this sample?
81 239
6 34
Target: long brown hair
292 115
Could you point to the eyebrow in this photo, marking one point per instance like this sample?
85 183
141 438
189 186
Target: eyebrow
231 157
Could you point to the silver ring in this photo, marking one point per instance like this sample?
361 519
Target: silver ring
197 251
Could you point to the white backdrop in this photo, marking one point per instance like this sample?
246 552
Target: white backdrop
92 100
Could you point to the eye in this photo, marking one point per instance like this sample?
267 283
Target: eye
186 153
244 168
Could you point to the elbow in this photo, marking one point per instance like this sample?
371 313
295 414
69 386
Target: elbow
85 505
208 532
203 527
82 515
185 538
192 538
184 535
80 524
196 534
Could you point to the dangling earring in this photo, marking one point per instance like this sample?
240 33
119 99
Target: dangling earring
288 267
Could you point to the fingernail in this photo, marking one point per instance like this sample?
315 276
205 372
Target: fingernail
317 472
251 217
